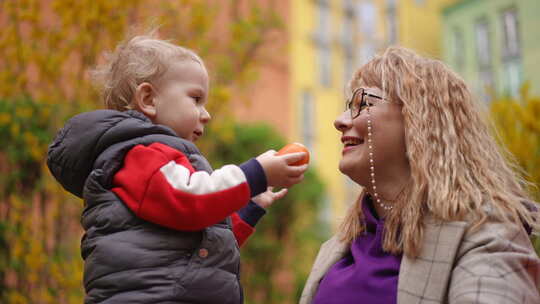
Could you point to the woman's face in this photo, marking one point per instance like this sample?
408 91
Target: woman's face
388 139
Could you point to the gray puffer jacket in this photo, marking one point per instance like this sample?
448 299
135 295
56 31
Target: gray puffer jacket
127 259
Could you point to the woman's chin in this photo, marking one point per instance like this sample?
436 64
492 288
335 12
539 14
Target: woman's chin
355 171
346 167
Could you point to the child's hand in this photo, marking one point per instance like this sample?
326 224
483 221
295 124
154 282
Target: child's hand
278 169
267 198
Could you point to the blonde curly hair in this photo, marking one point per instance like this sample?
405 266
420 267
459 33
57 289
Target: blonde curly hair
458 171
142 58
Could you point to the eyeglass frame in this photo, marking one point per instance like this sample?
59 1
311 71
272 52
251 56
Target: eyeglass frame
349 103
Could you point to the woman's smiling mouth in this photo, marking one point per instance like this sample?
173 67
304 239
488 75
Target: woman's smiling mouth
351 142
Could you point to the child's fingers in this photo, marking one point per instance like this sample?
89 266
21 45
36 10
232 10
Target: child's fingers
294 171
270 152
291 158
295 180
280 194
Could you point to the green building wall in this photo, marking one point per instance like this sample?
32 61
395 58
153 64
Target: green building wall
464 15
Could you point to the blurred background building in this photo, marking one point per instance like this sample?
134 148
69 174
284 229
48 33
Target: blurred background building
493 44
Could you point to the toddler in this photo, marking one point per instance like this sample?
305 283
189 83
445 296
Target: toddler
160 225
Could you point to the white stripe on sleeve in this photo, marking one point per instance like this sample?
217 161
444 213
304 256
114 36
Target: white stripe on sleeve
201 182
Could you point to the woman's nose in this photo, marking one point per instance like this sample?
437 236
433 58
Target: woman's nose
343 121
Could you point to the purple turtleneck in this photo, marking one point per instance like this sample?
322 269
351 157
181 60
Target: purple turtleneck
366 274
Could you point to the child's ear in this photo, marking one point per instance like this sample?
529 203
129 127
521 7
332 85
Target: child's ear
145 99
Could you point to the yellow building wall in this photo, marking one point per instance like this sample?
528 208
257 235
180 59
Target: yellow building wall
420 25
328 100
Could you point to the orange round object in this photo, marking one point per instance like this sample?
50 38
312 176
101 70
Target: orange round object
293 148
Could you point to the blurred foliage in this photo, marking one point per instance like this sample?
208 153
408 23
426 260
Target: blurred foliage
25 127
517 121
277 258
48 46
39 231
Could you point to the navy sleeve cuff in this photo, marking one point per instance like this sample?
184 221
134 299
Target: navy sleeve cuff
251 213
255 176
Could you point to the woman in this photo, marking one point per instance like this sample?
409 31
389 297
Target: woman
443 217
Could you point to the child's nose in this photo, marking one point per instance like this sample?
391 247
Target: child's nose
205 116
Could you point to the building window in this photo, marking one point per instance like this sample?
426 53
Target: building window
483 55
307 115
511 77
510 24
325 56
391 21
348 39
458 49
511 52
322 39
367 13
483 51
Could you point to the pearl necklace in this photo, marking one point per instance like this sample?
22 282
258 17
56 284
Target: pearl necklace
383 205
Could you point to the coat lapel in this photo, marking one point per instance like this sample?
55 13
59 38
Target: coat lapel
426 278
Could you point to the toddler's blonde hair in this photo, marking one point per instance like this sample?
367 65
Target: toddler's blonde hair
142 58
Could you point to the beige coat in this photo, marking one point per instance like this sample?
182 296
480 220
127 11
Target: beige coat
495 264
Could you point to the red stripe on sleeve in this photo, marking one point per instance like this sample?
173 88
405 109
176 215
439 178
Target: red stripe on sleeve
241 229
145 190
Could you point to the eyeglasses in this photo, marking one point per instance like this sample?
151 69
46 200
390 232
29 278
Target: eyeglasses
359 101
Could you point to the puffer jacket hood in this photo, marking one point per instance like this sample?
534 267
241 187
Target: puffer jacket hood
76 147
